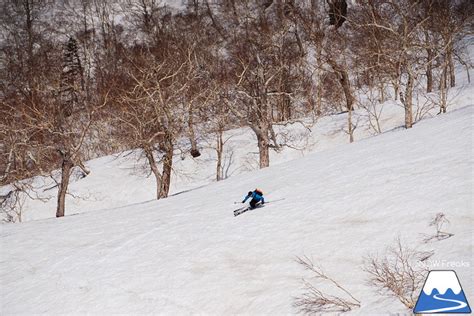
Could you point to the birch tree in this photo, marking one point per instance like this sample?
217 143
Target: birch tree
261 75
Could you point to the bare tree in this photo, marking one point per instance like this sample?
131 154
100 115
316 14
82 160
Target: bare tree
47 116
447 27
373 107
53 132
439 221
262 74
331 48
409 40
398 273
282 60
315 300
400 36
152 110
11 205
221 117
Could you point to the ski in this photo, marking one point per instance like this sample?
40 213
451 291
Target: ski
242 210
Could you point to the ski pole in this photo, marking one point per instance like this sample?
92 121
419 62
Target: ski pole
274 200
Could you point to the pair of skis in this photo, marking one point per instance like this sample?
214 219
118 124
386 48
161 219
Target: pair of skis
247 208
244 209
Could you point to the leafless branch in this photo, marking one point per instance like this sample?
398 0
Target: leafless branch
315 300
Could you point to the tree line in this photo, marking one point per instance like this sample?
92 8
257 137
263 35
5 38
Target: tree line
81 79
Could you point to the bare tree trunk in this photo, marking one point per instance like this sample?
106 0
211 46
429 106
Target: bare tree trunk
319 98
452 76
429 71
351 128
382 91
408 102
429 65
263 149
273 138
192 136
28 7
284 100
443 79
66 167
396 82
319 88
81 165
211 16
167 167
442 91
466 66
9 164
396 89
346 87
219 150
152 162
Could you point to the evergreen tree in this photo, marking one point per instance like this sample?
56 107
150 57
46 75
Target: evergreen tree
72 81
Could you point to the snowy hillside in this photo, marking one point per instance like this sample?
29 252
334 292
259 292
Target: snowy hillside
188 254
120 180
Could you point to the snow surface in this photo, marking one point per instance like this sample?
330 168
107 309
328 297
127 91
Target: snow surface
187 254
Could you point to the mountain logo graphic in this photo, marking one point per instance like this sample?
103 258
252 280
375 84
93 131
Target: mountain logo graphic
442 293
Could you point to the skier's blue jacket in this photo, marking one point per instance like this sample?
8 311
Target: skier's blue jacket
255 196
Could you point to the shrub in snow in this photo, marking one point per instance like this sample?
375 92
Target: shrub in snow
438 222
399 272
314 300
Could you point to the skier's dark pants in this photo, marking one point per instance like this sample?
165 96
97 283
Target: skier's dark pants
253 203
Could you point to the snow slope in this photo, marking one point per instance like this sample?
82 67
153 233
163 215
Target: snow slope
188 254
119 180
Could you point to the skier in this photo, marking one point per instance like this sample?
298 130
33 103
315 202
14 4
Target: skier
257 198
